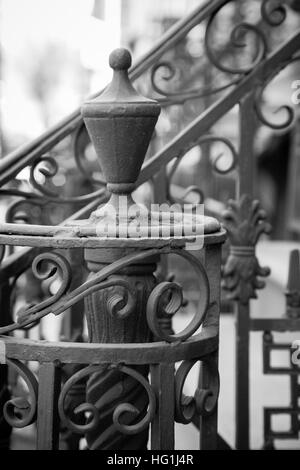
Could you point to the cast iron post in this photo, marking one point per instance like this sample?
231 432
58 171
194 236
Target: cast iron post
120 124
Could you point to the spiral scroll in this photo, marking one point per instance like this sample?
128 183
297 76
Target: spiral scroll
122 303
124 415
204 401
20 412
273 12
204 139
236 43
180 96
166 299
48 167
288 110
44 267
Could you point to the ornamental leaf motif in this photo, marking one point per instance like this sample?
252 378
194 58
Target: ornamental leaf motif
245 222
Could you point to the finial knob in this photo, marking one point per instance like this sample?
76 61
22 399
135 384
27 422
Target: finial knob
120 123
120 59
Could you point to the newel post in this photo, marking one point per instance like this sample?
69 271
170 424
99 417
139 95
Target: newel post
120 124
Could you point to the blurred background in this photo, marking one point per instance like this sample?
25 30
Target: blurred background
54 53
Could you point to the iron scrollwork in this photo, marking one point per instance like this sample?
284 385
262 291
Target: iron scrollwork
205 139
96 411
19 412
288 110
272 12
180 96
56 266
48 266
204 401
42 193
236 42
166 299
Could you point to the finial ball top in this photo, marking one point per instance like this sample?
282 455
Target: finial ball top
120 59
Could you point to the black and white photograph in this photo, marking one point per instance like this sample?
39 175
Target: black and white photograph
149 228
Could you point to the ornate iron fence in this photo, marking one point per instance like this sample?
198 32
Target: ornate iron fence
239 72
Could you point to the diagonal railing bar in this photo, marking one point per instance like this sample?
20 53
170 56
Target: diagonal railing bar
200 125
13 163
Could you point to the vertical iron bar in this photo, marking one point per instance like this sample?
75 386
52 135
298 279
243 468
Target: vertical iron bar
72 323
242 310
248 124
162 427
5 319
242 313
209 424
48 420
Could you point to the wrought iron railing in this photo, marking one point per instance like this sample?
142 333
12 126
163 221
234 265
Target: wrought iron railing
176 78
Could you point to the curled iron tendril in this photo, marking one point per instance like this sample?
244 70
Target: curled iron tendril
258 100
17 211
236 42
100 281
121 304
82 408
273 12
170 72
20 412
49 266
127 407
181 96
216 161
166 298
206 139
204 401
92 410
48 167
